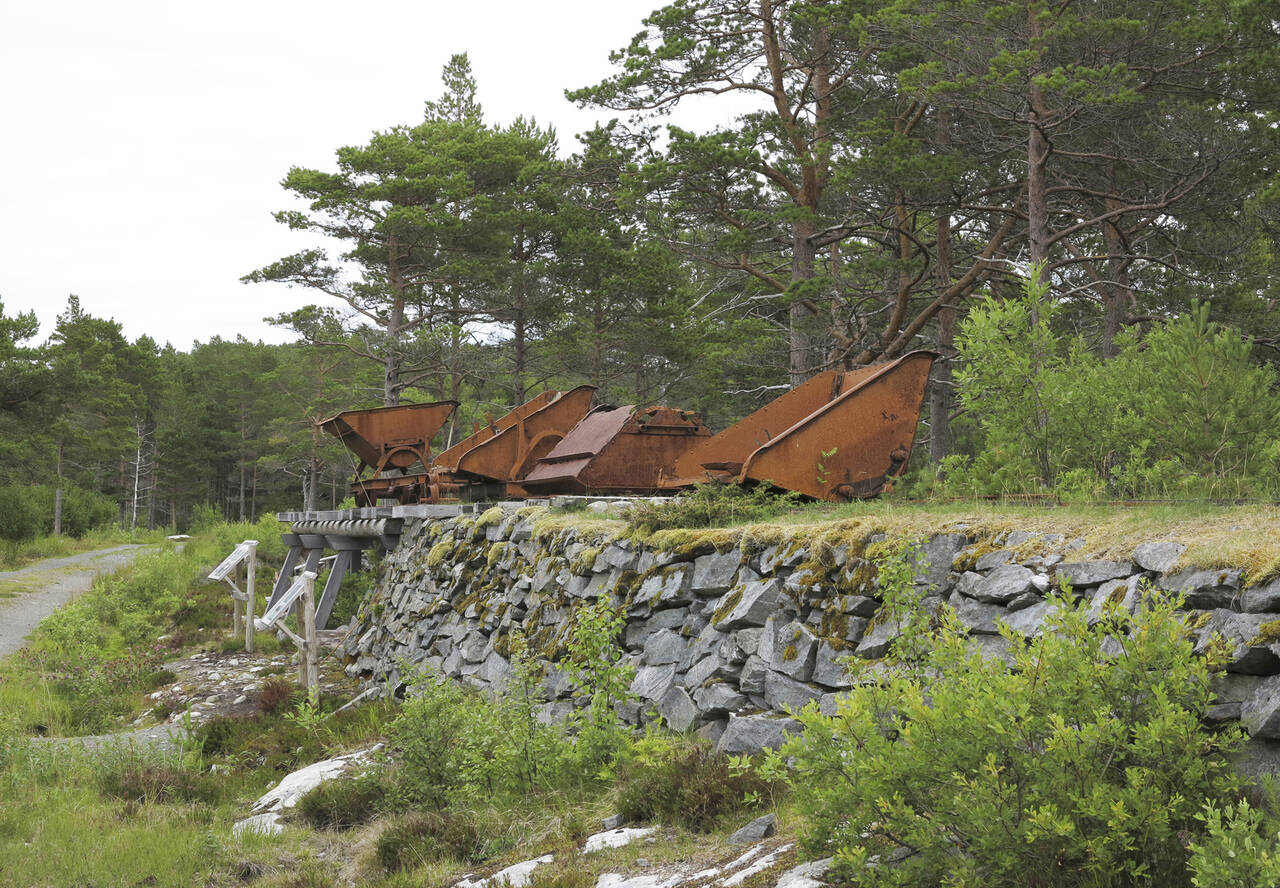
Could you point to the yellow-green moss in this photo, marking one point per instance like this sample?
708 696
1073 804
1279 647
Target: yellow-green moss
586 560
490 518
441 551
789 652
1268 633
732 600
496 552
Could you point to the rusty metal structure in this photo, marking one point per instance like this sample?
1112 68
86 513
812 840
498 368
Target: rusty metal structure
839 436
503 452
491 461
388 439
618 450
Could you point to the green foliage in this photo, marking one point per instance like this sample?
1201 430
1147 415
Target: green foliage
1084 761
1181 413
688 784
1240 847
711 505
424 837
343 803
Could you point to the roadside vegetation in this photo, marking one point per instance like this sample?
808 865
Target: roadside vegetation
1088 762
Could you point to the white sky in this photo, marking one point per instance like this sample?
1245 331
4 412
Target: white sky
143 142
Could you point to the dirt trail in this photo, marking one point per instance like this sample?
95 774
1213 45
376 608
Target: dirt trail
45 586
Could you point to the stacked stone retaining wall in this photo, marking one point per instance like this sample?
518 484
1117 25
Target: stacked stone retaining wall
728 631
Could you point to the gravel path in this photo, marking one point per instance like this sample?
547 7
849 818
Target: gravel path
50 584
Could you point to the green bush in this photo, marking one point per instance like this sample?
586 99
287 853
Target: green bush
711 505
20 520
1240 848
689 785
1183 412
343 803
1084 762
419 838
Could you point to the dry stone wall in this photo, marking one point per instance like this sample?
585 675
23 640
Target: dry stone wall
729 632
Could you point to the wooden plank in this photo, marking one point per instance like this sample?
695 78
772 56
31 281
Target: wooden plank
223 570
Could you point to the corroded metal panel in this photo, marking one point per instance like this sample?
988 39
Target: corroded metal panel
391 437
618 450
854 446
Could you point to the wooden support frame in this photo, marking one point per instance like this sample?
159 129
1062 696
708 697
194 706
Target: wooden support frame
242 602
301 593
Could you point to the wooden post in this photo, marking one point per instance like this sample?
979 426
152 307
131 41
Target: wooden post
237 614
308 668
249 604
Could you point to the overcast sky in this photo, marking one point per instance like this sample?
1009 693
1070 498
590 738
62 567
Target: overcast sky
143 143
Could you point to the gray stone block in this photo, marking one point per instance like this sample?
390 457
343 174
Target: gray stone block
663 647
829 667
707 668
1260 713
677 709
652 682
1091 573
784 693
667 588
753 733
1158 556
1250 648
1264 599
1205 589
713 574
638 631
975 616
747 604
718 698
989 561
760 828
1000 586
751 678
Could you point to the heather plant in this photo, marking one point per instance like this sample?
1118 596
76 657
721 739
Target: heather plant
1082 761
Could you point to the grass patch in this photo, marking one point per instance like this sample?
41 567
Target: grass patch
90 664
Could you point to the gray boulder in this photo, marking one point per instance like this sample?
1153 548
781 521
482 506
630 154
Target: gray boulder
1260 713
663 647
1091 573
713 574
1250 637
1263 599
829 667
748 604
1002 585
760 828
1205 589
785 694
1158 556
753 733
653 682
718 698
677 709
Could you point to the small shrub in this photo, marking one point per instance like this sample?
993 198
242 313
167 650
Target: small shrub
711 505
1084 762
419 838
343 803
276 694
151 782
692 786
1240 848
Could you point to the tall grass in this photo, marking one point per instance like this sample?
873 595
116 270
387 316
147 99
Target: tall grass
90 663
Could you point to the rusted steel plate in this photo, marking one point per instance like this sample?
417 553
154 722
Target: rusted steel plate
856 444
391 437
509 449
617 450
